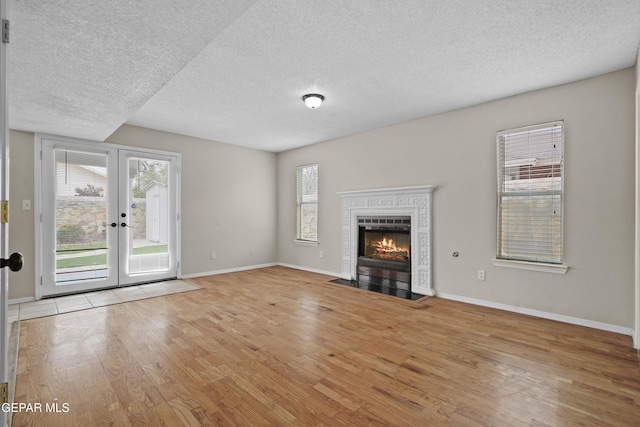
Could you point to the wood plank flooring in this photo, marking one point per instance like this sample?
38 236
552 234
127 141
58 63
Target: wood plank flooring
280 347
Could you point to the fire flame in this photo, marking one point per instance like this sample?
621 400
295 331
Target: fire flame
387 248
388 245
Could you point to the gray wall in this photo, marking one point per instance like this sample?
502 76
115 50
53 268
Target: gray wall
228 197
228 190
21 225
456 152
636 336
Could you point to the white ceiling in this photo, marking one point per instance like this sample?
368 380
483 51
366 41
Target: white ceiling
234 71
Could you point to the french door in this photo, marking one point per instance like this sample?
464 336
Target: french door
108 216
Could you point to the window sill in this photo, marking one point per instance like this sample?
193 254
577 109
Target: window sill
534 266
306 243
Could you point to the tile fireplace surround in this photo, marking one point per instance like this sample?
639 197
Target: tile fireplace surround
408 201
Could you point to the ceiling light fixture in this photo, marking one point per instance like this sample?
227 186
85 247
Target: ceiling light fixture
313 100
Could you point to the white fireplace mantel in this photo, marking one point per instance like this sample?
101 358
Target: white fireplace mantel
406 201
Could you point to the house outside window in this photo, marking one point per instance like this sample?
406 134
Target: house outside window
307 203
530 193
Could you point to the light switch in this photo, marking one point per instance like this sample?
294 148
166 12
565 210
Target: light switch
26 205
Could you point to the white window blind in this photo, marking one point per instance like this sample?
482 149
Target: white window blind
307 203
530 193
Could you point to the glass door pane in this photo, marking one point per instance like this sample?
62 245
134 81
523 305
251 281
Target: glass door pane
81 216
147 202
81 208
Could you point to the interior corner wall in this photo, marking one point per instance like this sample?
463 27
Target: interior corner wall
456 152
636 335
228 202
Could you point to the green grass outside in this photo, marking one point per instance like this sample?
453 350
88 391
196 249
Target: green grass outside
101 259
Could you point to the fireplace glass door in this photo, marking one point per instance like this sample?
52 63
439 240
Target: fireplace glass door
387 245
384 255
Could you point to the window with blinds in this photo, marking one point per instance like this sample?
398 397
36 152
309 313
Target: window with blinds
307 203
530 193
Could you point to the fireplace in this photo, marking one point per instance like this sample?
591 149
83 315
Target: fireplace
384 254
405 211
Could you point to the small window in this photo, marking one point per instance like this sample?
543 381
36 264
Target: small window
530 193
307 203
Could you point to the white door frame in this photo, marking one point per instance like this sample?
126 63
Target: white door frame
4 228
125 277
47 201
636 323
37 205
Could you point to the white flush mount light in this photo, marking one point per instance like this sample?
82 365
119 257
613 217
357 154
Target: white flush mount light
313 100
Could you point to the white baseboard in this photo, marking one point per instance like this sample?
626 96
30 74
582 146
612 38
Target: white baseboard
254 267
311 270
228 270
542 314
21 300
512 308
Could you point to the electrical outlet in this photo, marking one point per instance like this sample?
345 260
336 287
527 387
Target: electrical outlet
480 274
213 254
321 254
251 251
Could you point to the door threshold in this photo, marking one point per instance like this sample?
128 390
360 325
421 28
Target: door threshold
67 294
100 298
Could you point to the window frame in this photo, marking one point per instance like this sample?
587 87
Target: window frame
535 260
301 237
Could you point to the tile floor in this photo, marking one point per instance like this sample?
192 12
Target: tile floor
59 305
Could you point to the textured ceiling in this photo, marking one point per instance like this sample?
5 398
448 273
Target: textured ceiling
234 71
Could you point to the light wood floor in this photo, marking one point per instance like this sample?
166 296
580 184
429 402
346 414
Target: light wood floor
279 347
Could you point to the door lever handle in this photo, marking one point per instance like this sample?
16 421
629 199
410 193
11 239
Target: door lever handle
14 262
